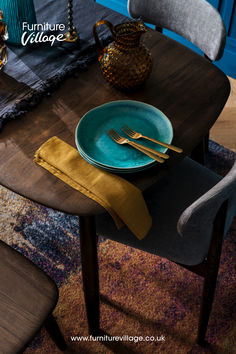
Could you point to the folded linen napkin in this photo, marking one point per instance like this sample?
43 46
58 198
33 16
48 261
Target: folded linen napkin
120 198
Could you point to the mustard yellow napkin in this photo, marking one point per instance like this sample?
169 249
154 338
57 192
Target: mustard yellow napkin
120 198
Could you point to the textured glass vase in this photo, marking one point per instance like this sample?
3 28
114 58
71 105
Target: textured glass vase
15 13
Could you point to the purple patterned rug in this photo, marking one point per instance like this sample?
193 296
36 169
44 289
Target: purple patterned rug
141 294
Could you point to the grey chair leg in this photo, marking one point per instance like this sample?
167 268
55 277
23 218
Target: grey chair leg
88 245
54 331
206 305
212 266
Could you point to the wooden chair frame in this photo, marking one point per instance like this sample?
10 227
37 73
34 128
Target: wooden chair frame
54 331
49 322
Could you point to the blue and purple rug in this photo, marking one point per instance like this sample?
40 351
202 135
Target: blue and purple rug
141 294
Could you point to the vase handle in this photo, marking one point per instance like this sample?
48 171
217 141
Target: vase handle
102 22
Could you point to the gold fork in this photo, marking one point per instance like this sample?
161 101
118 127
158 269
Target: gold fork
135 135
120 140
146 148
152 151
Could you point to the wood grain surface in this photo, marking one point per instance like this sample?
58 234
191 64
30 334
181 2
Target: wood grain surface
27 297
186 87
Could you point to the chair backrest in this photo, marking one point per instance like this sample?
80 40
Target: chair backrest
197 220
196 20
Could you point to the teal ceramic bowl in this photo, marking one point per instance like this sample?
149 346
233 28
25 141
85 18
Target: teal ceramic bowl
98 148
115 170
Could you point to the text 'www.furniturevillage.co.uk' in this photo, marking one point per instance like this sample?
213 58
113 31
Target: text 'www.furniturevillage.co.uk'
124 338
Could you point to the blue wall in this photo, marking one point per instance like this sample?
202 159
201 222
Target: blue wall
227 8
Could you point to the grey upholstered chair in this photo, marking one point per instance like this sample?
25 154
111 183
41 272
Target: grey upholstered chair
192 208
196 20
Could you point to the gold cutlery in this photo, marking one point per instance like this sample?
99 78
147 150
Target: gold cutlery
152 151
120 140
135 135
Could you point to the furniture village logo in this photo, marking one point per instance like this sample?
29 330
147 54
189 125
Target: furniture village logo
42 33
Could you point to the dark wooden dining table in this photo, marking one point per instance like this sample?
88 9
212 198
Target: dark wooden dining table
189 89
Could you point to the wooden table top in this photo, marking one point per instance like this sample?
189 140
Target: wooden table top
185 86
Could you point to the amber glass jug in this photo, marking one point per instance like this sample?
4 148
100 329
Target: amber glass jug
125 63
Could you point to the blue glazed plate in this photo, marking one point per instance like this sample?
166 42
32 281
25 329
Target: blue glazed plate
99 149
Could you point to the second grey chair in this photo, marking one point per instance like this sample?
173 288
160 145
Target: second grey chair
192 209
196 20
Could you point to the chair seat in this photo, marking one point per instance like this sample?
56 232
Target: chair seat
166 201
27 297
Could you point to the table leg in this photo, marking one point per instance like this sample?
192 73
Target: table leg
198 153
88 246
